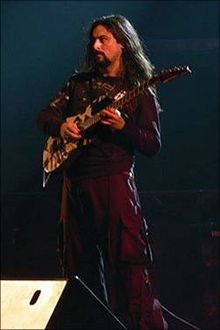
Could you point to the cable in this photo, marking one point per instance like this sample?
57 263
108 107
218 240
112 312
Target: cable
179 318
162 306
103 305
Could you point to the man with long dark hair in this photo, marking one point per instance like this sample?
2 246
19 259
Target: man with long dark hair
103 235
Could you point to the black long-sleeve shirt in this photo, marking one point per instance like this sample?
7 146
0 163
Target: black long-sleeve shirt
110 151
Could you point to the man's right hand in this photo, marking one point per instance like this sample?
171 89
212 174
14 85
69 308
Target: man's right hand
69 130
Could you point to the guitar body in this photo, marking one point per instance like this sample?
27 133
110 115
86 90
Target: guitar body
57 151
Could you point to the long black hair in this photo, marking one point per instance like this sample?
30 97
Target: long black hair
138 66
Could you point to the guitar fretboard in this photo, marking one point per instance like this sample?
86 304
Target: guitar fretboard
117 104
164 77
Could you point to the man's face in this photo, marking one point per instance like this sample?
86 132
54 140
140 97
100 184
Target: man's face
105 47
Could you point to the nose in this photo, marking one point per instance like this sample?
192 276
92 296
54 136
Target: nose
97 44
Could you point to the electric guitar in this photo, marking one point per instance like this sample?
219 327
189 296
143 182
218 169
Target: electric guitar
57 151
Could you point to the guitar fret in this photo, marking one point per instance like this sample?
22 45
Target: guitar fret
131 94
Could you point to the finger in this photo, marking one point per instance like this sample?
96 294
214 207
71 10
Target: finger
112 110
106 122
118 113
110 121
115 112
73 134
112 116
73 129
108 111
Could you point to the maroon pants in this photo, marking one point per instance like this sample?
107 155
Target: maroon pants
103 239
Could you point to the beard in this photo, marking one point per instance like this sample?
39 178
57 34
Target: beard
101 62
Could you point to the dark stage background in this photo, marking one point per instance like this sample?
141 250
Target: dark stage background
42 43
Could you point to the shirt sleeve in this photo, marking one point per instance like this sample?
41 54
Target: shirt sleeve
53 115
143 128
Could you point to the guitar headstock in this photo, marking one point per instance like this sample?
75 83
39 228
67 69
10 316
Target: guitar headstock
169 74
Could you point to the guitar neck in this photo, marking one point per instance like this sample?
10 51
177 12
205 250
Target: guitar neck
163 77
117 104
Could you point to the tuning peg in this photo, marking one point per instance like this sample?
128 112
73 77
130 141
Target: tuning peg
189 69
